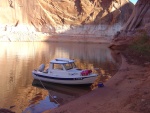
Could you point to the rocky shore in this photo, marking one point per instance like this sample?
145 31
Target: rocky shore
126 92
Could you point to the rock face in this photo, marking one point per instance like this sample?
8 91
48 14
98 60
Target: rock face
139 21
88 18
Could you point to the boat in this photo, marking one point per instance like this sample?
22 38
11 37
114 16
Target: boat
64 71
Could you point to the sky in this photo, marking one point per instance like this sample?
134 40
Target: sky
134 1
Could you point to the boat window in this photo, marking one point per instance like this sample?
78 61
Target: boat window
57 66
69 66
74 65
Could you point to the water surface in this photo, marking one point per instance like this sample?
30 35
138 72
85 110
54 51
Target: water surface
18 59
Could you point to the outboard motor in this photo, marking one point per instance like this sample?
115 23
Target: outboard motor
41 67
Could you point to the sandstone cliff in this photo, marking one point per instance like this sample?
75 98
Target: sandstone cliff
88 18
138 22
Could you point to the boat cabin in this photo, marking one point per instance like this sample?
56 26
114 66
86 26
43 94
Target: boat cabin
64 71
62 64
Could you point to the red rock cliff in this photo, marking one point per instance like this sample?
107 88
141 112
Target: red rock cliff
94 18
139 20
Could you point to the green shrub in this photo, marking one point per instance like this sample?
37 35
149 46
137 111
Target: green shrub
141 45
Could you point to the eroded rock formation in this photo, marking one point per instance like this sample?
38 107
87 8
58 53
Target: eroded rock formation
88 18
138 22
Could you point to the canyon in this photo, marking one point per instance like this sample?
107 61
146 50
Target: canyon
48 20
138 25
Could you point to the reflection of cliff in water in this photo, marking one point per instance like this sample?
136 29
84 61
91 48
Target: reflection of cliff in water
95 55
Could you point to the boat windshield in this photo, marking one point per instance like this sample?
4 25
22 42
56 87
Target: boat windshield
69 66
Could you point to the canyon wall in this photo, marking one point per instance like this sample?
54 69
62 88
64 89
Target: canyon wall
138 23
27 20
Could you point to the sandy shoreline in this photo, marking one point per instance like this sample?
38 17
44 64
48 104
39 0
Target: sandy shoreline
126 92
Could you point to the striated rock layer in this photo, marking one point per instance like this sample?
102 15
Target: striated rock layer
75 18
138 23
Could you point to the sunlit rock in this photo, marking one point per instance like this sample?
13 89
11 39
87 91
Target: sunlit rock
81 18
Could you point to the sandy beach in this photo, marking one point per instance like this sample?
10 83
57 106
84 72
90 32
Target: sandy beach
126 92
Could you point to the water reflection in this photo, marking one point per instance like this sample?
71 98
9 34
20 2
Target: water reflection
64 93
18 59
43 105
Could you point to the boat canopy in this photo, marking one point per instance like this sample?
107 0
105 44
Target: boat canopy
61 61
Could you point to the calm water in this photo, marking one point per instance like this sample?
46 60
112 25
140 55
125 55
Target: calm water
18 59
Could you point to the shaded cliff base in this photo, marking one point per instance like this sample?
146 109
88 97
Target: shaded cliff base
41 37
126 92
66 33
78 38
136 48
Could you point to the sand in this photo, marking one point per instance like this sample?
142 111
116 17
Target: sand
128 91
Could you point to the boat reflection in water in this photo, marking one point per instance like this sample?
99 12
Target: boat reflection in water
58 94
66 92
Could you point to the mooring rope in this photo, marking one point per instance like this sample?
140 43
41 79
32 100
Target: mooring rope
41 81
47 90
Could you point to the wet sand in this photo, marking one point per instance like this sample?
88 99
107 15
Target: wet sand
126 92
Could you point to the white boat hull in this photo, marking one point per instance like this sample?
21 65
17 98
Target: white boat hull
67 80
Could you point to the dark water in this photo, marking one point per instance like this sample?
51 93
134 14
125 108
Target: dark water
17 60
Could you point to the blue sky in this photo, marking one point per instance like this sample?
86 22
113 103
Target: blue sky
133 1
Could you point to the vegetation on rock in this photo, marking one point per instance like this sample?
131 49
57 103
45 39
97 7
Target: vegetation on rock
139 49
